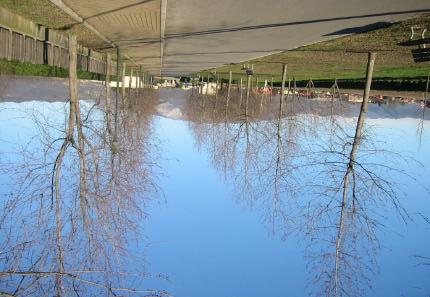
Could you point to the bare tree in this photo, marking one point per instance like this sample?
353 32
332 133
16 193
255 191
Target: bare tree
79 202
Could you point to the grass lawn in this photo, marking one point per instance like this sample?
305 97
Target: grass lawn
47 14
29 69
328 60
334 59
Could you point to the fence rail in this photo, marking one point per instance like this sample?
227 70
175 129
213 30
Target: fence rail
18 46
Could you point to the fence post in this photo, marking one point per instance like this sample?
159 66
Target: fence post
89 60
22 58
34 51
10 49
52 55
45 47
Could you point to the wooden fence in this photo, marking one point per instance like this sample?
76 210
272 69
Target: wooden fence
19 46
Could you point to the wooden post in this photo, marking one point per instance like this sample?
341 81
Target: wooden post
34 51
284 77
52 54
23 49
123 81
10 49
89 60
369 74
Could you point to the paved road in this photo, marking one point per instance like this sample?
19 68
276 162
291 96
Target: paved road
185 36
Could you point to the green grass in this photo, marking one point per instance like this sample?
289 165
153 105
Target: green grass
47 14
339 58
29 69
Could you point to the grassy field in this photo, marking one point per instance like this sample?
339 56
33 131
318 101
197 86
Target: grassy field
338 58
47 14
322 61
29 69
